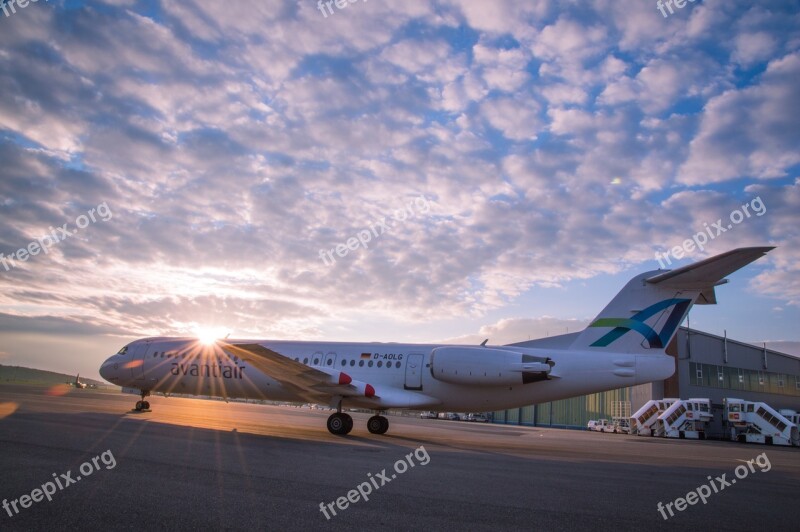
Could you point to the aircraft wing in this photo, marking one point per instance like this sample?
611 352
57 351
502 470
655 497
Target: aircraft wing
316 385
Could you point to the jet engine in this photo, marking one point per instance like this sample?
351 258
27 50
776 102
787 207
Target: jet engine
487 366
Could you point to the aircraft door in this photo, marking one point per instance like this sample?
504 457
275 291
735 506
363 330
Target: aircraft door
414 372
137 360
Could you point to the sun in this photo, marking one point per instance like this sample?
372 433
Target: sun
209 335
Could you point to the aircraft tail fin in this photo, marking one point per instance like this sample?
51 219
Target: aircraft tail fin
645 315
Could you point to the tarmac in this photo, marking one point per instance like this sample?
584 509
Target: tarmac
199 464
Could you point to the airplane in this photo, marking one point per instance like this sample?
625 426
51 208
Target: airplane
623 346
77 382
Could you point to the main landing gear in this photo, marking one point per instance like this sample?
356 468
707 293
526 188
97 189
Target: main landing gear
143 405
378 424
341 424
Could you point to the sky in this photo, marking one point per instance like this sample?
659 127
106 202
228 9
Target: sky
387 171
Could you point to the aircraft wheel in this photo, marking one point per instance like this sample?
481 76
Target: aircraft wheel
378 425
340 424
143 405
374 425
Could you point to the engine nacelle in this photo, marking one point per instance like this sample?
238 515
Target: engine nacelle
487 366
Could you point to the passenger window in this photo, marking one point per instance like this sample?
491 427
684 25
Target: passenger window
352 363
305 360
361 363
380 363
397 364
316 361
369 363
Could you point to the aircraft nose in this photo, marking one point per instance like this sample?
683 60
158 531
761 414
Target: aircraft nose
109 370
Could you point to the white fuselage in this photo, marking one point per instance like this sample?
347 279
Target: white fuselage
400 374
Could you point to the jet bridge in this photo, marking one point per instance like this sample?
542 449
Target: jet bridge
754 422
643 422
685 419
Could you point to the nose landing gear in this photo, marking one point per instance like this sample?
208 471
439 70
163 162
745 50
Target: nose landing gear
143 405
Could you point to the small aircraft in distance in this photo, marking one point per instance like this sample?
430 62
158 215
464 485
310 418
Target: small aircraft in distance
624 346
77 382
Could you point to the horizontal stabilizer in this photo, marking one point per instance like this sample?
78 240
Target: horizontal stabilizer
710 272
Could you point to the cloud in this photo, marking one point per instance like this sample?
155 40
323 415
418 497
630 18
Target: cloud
512 330
749 131
567 40
233 143
516 119
753 47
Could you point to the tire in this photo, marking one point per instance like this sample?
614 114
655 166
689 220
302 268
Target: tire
377 425
374 425
337 424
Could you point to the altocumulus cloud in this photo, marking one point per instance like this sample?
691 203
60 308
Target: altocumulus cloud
235 140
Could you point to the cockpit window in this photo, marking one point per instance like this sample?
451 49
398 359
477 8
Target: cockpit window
123 350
